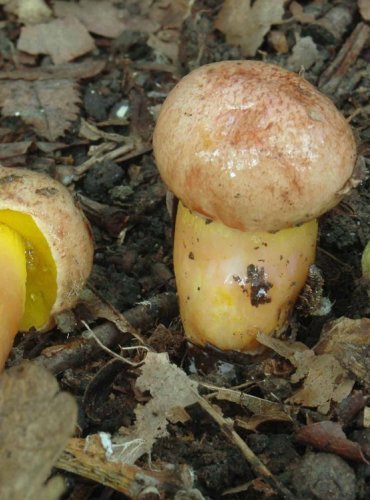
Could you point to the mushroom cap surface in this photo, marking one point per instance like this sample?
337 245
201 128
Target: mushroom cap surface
61 222
253 146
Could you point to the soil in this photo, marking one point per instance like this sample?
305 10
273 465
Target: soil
125 202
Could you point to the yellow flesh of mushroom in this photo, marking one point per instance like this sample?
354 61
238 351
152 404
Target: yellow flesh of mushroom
41 280
12 288
234 284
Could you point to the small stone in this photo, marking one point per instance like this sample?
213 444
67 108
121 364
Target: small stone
322 476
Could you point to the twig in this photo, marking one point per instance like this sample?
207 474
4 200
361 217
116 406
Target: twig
258 467
112 353
103 153
331 77
87 458
162 307
333 257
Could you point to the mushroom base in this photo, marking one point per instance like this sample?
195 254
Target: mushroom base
233 284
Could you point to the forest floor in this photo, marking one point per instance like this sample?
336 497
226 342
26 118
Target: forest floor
80 104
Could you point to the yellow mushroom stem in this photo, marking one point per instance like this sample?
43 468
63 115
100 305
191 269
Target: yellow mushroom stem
12 288
233 284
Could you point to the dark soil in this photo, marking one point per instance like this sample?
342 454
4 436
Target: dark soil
126 204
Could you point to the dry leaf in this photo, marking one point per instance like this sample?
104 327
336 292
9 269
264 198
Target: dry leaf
364 8
263 408
98 308
325 380
35 422
85 69
29 11
348 340
278 41
366 419
11 149
62 39
98 16
48 105
299 14
105 18
169 387
245 24
329 436
171 391
254 422
304 54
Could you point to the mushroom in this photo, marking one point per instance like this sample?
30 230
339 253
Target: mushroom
46 253
255 154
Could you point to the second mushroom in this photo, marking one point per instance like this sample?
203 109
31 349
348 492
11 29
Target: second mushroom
255 155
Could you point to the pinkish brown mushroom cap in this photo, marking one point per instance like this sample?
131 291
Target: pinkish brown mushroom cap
253 146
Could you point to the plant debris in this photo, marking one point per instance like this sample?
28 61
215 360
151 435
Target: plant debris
324 378
35 423
63 39
245 23
329 436
49 105
81 85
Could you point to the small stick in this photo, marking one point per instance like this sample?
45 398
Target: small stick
331 77
77 352
104 152
259 467
87 458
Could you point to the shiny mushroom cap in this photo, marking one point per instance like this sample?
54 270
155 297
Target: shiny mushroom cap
253 146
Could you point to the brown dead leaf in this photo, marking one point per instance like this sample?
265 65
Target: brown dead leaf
245 24
62 39
170 387
364 8
325 380
304 54
299 14
171 392
170 17
98 308
101 17
254 422
348 340
85 69
366 419
35 422
329 436
12 149
48 105
105 18
169 14
263 408
29 11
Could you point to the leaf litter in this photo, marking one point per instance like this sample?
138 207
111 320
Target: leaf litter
332 366
36 420
62 39
48 105
245 23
